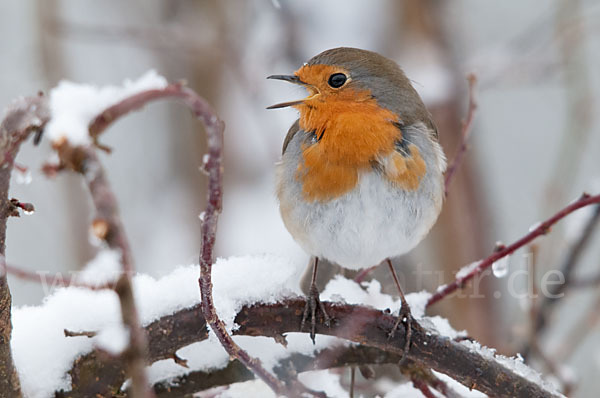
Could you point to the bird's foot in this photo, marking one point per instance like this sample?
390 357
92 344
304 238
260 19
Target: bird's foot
405 316
312 304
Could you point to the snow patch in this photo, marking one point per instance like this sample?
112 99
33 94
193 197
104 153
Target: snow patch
324 380
467 269
74 105
102 269
515 364
113 339
369 293
38 332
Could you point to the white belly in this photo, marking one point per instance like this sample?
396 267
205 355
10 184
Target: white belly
372 222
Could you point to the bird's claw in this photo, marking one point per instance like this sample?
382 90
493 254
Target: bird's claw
405 316
312 304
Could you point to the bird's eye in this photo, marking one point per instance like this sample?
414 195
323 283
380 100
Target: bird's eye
337 80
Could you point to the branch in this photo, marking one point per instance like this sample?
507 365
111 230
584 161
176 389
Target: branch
92 375
422 378
542 229
214 130
235 372
22 117
368 328
465 134
109 228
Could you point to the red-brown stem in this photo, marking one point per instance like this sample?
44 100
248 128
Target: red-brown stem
467 126
542 229
214 166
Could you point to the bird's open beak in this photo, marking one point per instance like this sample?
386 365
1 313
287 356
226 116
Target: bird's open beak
292 79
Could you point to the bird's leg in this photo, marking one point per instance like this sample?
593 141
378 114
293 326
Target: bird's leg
312 302
405 315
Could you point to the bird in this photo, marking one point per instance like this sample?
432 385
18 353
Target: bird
360 180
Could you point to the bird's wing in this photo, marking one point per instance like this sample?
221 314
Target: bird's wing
291 132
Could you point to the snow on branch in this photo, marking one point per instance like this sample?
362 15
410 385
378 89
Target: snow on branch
74 105
472 365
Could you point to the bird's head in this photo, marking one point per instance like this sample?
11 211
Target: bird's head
347 76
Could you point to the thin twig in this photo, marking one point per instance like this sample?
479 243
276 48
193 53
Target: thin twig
88 334
542 229
467 126
214 166
84 160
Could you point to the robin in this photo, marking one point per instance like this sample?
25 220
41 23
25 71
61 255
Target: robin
360 180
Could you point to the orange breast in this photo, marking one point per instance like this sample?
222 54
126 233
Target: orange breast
354 131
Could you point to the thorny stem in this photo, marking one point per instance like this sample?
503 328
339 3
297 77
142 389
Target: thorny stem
214 166
467 126
542 229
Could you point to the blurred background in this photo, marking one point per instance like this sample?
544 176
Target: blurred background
535 144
